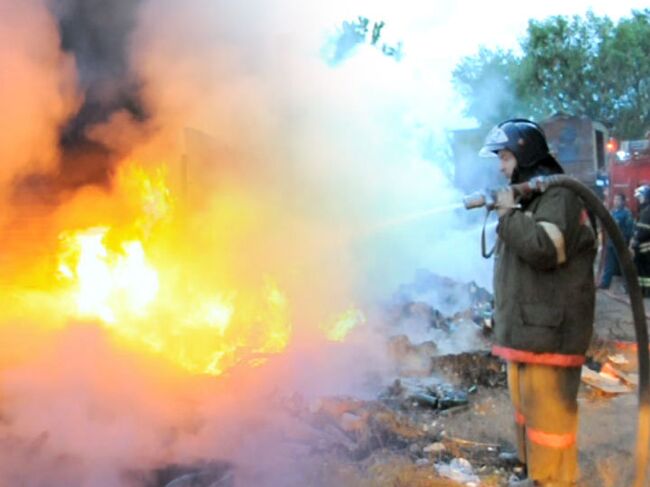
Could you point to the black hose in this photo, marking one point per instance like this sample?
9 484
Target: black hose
628 268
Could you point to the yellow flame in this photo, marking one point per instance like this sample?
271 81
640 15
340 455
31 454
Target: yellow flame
152 196
109 285
156 304
342 325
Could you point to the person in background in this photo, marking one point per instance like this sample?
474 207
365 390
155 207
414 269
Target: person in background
640 243
623 218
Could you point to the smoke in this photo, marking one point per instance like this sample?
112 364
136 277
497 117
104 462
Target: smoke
38 90
284 167
78 412
343 149
97 34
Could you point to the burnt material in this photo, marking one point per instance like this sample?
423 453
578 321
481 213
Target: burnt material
468 369
208 474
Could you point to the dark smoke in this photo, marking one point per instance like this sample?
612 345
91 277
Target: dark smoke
97 33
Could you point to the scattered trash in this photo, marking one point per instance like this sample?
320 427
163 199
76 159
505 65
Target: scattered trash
492 447
618 359
449 397
434 448
458 470
428 400
604 382
411 360
628 378
402 434
440 397
472 369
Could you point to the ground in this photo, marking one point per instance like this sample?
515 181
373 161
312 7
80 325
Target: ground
480 430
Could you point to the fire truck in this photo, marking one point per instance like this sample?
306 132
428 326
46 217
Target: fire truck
629 168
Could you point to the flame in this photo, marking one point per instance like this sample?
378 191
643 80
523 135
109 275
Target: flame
343 324
111 277
108 285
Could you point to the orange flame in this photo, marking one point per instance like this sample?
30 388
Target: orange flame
111 278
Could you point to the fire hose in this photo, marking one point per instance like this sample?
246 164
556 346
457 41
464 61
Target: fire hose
539 185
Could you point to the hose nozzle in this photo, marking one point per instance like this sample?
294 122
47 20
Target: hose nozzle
488 197
478 199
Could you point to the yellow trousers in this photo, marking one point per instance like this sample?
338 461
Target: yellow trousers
546 421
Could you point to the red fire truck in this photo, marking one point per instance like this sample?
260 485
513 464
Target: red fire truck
629 168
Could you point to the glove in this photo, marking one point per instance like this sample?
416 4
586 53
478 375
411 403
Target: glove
505 201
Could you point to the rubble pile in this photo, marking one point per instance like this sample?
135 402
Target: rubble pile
420 429
472 369
442 293
406 438
400 438
440 314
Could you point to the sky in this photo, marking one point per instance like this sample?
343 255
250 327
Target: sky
438 34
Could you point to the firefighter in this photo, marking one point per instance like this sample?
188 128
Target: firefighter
544 293
623 218
640 244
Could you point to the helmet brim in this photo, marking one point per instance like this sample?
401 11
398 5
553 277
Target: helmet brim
489 151
495 141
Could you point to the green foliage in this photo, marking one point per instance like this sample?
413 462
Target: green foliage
579 65
488 83
353 33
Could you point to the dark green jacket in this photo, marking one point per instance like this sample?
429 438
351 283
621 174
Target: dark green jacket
543 280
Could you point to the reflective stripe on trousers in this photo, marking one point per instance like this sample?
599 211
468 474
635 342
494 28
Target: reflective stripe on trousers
546 420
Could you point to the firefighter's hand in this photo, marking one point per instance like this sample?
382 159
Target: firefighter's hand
505 201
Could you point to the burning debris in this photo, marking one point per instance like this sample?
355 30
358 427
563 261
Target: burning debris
406 421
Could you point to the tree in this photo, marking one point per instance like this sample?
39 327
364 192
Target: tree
579 65
353 33
488 83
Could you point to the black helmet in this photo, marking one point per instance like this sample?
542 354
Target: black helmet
525 139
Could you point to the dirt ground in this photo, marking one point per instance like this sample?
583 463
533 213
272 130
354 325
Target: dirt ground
484 427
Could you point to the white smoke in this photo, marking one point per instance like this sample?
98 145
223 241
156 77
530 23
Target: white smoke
336 151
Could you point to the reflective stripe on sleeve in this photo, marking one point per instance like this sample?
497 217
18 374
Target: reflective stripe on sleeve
643 225
555 234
